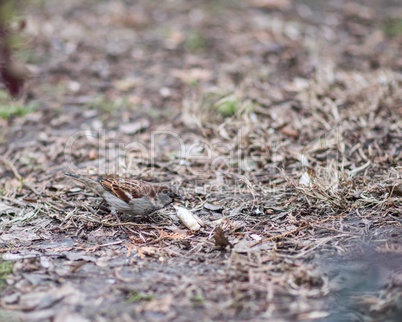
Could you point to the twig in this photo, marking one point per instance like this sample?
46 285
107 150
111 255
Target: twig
301 228
116 225
96 247
14 170
11 166
15 201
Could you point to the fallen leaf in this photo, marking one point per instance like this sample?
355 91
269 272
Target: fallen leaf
288 131
212 207
77 257
19 235
397 190
220 238
256 237
176 235
32 200
305 179
135 127
147 251
44 299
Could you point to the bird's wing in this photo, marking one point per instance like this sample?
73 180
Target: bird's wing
128 190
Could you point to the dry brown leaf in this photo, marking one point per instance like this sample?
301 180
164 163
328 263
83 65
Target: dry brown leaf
176 235
290 132
397 190
220 238
147 251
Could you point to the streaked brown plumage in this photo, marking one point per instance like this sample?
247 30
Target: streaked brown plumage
129 196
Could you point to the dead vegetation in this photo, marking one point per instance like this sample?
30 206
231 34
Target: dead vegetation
281 124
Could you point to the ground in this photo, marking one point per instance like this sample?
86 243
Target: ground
280 122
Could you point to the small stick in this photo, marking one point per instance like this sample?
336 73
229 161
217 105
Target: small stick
14 170
96 247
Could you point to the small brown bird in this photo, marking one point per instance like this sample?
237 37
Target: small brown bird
129 196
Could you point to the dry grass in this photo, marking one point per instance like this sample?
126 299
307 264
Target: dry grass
290 158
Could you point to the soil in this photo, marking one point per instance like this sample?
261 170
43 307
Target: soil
280 123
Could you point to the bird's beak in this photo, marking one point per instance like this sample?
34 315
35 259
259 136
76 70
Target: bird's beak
178 198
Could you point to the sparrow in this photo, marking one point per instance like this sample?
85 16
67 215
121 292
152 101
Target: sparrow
135 197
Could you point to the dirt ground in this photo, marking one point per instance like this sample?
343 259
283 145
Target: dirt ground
279 121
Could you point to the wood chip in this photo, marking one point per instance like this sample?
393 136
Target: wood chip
187 218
